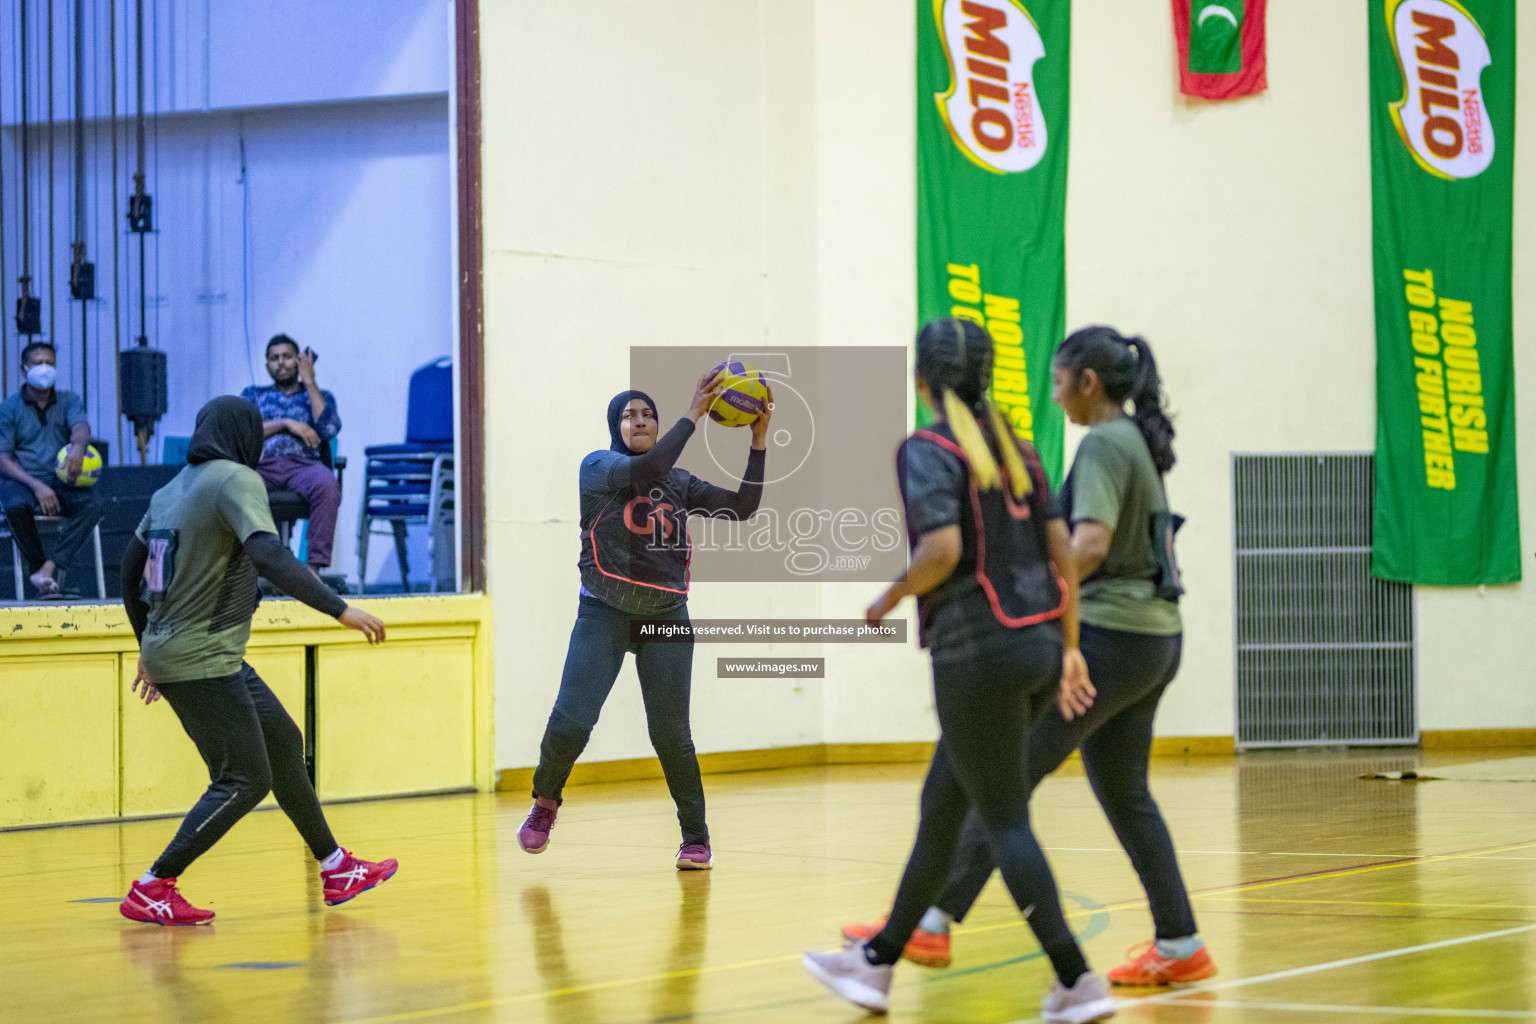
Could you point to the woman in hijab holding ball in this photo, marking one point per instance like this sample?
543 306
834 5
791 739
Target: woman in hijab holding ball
635 505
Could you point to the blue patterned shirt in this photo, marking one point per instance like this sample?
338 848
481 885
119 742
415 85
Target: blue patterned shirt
275 405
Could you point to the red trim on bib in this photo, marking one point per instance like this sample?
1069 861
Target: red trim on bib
981 547
592 537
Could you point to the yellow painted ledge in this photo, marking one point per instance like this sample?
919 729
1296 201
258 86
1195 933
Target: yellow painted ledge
24 624
1193 746
585 773
1471 739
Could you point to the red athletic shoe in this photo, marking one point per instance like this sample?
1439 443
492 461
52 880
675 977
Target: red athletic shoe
1148 967
160 903
355 876
926 949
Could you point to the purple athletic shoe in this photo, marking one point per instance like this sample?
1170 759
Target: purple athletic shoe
533 837
694 857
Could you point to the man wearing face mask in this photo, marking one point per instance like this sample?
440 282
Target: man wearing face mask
34 424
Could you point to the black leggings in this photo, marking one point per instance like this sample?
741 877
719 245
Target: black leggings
599 641
81 507
251 747
985 708
1130 672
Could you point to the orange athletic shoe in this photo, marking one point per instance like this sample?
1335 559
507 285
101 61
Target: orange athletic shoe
926 949
1148 967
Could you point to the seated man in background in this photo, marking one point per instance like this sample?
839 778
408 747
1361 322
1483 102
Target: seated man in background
34 424
297 418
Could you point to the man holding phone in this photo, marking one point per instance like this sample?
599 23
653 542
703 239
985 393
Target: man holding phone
298 417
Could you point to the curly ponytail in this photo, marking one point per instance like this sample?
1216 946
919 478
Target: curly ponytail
1128 372
1147 403
954 358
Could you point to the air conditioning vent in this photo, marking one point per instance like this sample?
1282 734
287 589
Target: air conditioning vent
1325 652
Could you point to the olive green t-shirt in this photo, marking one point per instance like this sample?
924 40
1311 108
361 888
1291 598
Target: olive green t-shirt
1115 482
198 583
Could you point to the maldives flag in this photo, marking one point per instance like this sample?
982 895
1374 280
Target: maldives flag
1221 47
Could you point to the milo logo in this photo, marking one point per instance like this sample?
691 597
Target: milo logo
1442 54
991 108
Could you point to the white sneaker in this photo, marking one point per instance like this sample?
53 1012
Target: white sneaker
1088 1000
848 974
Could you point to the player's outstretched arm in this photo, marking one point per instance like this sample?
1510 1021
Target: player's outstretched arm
292 577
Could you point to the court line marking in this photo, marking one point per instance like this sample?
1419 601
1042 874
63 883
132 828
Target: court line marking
765 961
1381 903
1224 853
1319 876
1270 883
1480 919
1331 965
1182 995
1098 922
1409 1011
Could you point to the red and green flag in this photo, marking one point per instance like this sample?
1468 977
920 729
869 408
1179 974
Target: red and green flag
1442 231
1221 47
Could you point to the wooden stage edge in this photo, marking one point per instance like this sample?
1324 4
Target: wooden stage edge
512 780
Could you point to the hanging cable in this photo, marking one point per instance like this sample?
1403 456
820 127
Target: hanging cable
154 142
53 322
29 313
93 160
245 257
5 334
142 368
82 273
140 204
117 242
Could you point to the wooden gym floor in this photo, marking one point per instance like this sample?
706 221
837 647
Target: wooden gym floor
1323 897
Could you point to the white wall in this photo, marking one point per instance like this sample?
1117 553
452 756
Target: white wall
748 167
1237 238
659 189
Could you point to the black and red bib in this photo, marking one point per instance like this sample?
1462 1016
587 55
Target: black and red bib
635 549
1004 577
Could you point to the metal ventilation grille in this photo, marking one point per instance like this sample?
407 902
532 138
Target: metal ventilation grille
1324 651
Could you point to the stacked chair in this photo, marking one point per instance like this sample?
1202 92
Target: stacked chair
412 483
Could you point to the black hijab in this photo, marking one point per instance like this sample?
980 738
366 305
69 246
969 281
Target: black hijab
227 428
616 414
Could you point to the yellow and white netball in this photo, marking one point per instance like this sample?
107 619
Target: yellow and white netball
90 467
745 395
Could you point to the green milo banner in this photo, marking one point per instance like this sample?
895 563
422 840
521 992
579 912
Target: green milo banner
1442 179
992 80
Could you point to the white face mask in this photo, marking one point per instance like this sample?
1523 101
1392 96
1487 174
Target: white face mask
42 376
